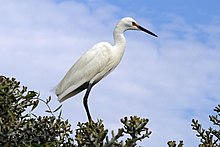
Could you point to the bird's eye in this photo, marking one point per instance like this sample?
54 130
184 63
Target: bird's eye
133 23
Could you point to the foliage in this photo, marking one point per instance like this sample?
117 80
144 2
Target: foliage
173 144
94 134
210 137
19 126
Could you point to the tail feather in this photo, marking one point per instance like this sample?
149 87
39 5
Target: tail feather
71 91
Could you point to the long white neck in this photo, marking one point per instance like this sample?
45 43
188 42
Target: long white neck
119 39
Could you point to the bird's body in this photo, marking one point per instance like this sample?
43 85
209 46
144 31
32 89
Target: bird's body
91 67
96 63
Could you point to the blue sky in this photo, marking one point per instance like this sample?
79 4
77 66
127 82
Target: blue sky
169 80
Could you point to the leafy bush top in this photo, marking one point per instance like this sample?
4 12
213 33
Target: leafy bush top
19 126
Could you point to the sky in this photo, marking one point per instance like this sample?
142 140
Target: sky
170 79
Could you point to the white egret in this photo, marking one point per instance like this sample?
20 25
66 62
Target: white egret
96 63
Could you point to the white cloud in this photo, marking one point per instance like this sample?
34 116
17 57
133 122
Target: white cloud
170 79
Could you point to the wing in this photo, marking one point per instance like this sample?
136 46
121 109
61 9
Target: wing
86 70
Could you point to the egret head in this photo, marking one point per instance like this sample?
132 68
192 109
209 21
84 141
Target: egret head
129 23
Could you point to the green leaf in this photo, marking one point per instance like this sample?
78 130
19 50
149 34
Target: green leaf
35 105
59 116
3 87
34 115
48 100
57 109
11 115
30 94
48 111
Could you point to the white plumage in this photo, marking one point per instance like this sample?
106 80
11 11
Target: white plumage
91 67
96 63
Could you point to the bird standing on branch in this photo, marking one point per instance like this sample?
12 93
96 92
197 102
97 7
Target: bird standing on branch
96 63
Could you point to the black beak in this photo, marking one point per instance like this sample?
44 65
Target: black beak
147 31
143 29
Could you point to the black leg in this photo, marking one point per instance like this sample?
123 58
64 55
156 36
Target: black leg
85 99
